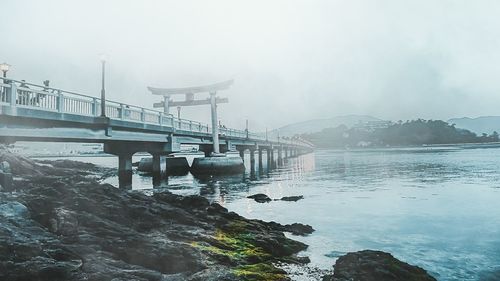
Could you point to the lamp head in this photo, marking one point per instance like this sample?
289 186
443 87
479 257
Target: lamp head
4 67
103 57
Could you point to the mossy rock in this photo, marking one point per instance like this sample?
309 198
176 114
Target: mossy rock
260 271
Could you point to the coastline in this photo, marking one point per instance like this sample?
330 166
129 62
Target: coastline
62 223
75 228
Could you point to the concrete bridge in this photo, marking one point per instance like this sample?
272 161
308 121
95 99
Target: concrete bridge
30 112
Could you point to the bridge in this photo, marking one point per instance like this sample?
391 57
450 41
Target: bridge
31 112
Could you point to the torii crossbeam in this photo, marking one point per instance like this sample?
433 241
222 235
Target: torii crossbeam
189 92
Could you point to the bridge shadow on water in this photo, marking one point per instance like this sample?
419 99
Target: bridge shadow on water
220 188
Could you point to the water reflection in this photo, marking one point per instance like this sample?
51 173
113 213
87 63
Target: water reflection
433 207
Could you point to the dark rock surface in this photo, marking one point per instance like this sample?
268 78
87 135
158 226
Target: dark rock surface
371 265
294 228
292 198
260 198
60 223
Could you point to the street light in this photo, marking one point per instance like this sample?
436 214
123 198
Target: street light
4 67
103 91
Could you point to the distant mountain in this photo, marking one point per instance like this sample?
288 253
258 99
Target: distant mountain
479 125
416 132
316 125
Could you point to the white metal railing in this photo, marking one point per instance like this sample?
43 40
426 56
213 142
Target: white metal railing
22 94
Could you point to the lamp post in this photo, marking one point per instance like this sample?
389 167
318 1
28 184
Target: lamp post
103 91
4 67
246 128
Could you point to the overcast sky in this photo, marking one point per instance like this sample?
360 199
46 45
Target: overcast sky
291 60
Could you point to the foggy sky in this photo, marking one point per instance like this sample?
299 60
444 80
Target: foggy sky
291 60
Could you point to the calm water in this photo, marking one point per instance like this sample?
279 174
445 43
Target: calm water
438 208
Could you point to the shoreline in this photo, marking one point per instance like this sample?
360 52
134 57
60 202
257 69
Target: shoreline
62 204
63 224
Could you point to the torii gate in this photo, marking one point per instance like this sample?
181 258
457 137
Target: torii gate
191 101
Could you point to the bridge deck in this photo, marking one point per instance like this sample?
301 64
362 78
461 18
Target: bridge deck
33 112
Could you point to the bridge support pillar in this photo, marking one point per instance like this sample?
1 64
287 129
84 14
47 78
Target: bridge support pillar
260 158
207 149
270 158
280 155
252 161
156 168
125 170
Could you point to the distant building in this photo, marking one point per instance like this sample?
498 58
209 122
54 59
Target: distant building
371 126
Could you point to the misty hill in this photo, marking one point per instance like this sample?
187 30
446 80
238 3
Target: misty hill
410 133
316 125
479 125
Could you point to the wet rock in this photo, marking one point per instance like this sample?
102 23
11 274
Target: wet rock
28 251
292 198
21 165
5 167
260 198
65 225
371 265
5 176
294 228
64 222
68 164
298 229
14 210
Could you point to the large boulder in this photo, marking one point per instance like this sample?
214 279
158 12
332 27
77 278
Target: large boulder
260 198
371 265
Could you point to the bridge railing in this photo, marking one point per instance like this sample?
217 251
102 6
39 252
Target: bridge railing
29 95
4 90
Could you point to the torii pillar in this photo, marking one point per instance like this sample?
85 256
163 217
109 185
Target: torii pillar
215 126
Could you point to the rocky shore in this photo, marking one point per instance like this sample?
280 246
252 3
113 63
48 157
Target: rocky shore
371 265
61 223
58 222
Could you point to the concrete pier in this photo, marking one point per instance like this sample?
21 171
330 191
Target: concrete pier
252 160
217 165
127 129
280 155
177 166
260 160
271 158
125 170
156 165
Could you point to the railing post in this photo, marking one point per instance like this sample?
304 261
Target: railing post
94 106
13 93
143 115
60 102
121 114
160 119
190 125
172 121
